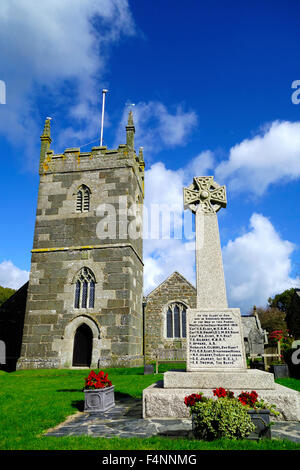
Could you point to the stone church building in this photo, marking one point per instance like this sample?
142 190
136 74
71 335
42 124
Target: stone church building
83 305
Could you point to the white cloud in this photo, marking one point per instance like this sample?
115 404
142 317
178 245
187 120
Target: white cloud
52 48
164 186
158 127
201 165
163 257
164 192
12 276
273 156
257 265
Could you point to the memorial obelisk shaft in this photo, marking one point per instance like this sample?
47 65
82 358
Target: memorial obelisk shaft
214 332
210 281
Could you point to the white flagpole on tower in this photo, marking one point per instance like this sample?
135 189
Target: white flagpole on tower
102 118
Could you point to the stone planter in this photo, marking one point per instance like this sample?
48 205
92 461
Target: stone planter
101 399
261 420
280 370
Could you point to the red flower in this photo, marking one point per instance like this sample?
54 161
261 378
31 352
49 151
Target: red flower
222 393
192 399
247 398
95 381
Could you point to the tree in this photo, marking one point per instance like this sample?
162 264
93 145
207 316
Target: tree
293 316
282 301
5 293
271 319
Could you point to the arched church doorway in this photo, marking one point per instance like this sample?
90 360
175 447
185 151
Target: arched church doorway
83 345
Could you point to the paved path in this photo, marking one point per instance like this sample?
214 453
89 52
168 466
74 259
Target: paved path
125 420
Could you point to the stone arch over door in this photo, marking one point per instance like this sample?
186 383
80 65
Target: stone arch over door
69 337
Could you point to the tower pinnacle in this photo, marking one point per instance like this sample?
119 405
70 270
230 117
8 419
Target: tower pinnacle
130 130
45 139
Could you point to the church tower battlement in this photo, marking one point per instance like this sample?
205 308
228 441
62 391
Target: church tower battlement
84 303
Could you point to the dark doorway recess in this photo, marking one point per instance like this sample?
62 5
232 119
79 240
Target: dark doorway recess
83 345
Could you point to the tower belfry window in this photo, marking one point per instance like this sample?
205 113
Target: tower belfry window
85 289
83 199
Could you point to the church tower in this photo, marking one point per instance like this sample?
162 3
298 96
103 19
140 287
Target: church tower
84 303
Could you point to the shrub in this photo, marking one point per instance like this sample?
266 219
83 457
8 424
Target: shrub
226 418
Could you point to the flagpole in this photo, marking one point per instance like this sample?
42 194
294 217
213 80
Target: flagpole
102 118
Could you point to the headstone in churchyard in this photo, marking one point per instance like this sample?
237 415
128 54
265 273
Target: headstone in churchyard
214 333
2 352
256 342
148 369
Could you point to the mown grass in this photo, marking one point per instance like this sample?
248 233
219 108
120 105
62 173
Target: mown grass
290 383
32 401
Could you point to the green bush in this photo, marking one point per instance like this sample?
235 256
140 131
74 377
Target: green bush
225 418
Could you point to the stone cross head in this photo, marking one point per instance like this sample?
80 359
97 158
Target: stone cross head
206 193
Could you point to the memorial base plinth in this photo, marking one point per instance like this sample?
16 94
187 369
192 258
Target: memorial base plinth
245 379
162 402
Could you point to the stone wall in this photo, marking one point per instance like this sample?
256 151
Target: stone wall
174 289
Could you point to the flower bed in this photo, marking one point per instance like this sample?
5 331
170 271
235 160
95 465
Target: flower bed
244 416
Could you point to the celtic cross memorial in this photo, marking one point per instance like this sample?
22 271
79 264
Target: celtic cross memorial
214 333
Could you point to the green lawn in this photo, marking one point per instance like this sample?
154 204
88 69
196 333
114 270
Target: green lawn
35 400
290 383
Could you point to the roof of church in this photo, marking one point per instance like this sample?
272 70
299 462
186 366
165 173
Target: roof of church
174 274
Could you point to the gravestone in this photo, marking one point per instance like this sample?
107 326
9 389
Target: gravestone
148 369
256 342
2 352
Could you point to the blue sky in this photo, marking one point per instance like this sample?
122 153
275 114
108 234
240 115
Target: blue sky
212 87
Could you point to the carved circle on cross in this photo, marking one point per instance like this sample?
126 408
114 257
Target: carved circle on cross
204 193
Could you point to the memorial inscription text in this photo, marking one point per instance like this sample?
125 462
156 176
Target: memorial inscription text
214 340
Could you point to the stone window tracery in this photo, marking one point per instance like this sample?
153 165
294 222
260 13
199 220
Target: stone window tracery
176 320
85 289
